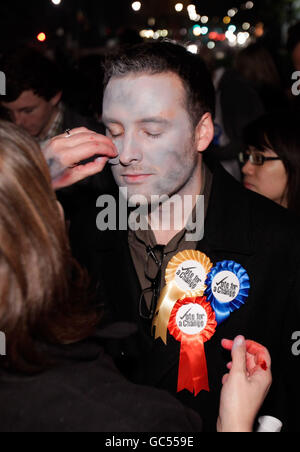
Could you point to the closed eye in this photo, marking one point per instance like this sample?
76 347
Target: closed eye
153 135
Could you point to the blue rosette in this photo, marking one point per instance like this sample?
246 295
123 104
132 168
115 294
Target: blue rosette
227 290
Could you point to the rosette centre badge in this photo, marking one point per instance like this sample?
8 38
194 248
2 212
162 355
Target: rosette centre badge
225 286
191 319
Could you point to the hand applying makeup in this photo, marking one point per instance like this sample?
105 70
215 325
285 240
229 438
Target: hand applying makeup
245 387
65 154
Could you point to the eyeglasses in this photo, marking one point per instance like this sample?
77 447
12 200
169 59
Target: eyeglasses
255 158
145 312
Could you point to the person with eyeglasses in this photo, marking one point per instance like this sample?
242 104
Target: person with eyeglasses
271 165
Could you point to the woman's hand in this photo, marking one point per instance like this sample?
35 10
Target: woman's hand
64 153
245 387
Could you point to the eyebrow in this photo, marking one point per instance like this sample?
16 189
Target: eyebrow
153 120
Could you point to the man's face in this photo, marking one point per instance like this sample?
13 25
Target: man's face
296 57
31 112
147 119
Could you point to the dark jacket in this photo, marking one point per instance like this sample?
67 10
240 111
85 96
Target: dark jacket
240 226
85 393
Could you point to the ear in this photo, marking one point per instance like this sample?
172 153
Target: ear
204 133
56 99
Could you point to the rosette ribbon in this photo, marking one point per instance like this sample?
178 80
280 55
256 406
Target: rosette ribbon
192 373
222 308
176 289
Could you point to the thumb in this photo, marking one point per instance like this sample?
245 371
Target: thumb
239 363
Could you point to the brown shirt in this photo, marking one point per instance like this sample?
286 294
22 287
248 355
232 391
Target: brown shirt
147 255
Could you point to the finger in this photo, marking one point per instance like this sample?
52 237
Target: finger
82 137
261 354
85 151
78 173
75 131
229 366
227 344
238 354
225 379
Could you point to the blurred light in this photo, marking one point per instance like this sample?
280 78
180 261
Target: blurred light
220 55
232 28
148 34
204 19
41 37
164 33
197 30
204 30
56 2
242 38
193 13
246 26
179 7
215 36
232 12
249 5
226 20
193 48
211 45
151 21
231 37
259 30
136 6
183 32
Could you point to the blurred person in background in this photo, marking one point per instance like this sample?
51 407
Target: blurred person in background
34 96
34 102
272 161
256 65
55 376
293 45
237 105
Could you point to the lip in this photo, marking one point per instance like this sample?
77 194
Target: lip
136 178
248 185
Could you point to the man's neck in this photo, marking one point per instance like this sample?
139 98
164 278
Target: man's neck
172 216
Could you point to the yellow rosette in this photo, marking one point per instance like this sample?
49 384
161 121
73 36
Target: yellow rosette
185 278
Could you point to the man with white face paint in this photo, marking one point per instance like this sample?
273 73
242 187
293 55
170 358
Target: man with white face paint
158 108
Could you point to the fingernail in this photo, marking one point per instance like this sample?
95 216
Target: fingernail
264 366
238 342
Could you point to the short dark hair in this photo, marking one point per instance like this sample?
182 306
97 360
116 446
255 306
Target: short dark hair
160 57
26 69
279 131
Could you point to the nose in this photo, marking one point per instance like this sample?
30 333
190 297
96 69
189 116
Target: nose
17 118
130 150
248 168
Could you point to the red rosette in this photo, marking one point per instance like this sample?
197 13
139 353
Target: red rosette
192 326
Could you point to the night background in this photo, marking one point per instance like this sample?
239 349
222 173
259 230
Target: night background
77 33
77 24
